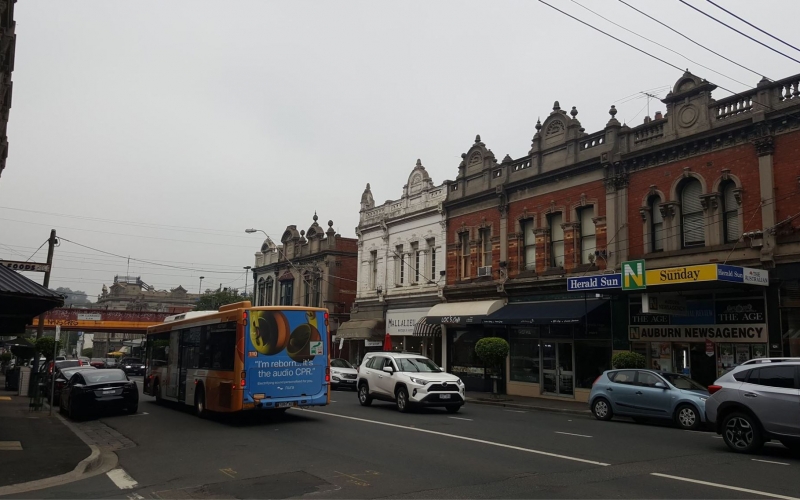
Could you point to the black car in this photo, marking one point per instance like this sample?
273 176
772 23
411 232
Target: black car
90 392
132 366
62 377
53 369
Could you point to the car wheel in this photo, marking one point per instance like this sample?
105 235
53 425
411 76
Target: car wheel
741 433
132 409
601 408
363 395
200 403
452 408
401 399
71 412
687 417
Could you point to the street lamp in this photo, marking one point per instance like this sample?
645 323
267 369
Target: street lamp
246 272
200 288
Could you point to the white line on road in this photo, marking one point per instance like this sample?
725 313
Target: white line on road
135 496
516 411
769 462
461 418
139 414
464 438
724 486
121 478
571 434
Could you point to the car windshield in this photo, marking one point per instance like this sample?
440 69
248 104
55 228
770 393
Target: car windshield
69 372
340 363
133 361
422 365
102 376
682 382
69 363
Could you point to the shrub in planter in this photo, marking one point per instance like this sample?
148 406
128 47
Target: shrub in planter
493 352
628 360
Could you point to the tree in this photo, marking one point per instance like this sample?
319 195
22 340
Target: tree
87 352
73 297
45 347
628 360
212 300
493 352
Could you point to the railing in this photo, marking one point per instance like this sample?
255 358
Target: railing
592 142
732 106
520 165
786 90
649 132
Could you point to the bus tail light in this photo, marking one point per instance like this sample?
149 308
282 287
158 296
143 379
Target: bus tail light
327 374
243 384
326 318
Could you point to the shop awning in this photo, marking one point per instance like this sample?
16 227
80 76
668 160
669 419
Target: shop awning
133 342
424 329
541 313
22 299
361 329
462 313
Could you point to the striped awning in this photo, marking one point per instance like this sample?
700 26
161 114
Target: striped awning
425 329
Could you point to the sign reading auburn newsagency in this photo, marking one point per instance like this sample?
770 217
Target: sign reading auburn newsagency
756 333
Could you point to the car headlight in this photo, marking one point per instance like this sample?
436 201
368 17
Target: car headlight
127 366
335 378
418 381
142 367
460 383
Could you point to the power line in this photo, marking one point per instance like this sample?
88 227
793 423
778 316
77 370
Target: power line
686 37
661 45
737 31
37 250
752 25
612 36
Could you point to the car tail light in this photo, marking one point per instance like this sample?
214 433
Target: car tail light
327 374
714 388
80 363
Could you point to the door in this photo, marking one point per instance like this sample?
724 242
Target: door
651 400
622 392
183 364
773 394
374 371
681 359
386 381
558 373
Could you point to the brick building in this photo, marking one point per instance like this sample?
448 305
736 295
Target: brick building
8 41
315 268
709 189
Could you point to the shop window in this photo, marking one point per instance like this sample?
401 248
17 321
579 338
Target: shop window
463 255
486 247
730 213
656 225
432 259
592 358
556 240
692 227
529 245
524 356
588 237
373 269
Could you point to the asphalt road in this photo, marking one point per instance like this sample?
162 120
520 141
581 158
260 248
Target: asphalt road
348 451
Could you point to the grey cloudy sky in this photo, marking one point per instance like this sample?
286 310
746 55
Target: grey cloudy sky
182 123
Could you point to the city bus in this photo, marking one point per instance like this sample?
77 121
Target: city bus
240 358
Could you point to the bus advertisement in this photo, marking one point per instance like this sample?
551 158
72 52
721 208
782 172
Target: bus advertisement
240 358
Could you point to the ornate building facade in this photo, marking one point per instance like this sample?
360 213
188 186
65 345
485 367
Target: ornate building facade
129 293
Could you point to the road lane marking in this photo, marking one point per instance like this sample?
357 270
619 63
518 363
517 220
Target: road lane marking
516 411
571 434
121 478
139 414
135 496
5 398
769 462
464 438
229 472
10 446
724 486
461 418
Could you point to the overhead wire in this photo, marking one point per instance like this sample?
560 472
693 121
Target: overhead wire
752 25
691 40
684 2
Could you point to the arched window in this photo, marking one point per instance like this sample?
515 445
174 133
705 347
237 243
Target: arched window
730 213
269 290
656 225
261 292
692 227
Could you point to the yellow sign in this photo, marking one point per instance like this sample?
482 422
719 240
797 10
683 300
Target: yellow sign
683 274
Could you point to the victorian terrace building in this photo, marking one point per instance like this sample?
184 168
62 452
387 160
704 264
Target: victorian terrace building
707 192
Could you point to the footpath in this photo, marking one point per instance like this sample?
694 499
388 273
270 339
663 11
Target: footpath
33 445
529 404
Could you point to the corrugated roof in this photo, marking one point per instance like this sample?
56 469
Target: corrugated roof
13 282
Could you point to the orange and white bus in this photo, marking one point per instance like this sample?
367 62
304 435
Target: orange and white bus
240 358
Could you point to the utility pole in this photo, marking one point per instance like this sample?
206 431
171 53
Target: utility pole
34 386
246 272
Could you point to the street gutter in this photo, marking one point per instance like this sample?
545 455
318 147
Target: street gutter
520 406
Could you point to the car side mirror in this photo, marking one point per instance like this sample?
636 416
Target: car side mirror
388 369
78 386
660 385
61 380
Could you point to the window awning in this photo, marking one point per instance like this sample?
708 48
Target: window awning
361 329
424 329
541 313
462 313
22 299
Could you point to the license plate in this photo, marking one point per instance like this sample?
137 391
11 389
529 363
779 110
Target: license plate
444 396
109 391
286 404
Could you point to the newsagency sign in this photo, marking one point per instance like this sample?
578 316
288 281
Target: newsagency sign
756 333
598 282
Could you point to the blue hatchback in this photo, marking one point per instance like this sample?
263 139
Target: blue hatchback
644 394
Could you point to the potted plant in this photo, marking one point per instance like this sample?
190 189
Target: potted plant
493 352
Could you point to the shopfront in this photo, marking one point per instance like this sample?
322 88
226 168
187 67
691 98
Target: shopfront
400 325
557 348
357 337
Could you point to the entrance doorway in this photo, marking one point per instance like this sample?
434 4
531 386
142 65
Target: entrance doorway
558 372
680 359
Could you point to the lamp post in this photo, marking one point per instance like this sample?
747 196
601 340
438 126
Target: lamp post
200 288
246 272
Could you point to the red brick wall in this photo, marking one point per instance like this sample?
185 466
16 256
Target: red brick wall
786 167
489 216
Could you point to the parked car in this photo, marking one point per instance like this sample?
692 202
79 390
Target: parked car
132 366
757 402
62 377
84 360
343 374
408 380
60 358
644 394
90 392
53 368
98 363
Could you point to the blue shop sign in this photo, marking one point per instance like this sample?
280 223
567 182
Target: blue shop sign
734 274
597 282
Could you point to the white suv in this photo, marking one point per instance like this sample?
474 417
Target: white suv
408 380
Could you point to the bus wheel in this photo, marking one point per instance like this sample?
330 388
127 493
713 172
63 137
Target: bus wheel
200 402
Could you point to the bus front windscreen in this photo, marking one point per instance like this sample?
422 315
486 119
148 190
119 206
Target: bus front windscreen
286 357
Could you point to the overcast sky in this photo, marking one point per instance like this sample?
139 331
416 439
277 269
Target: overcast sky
182 123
